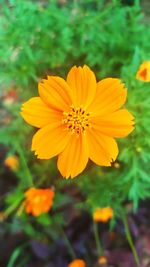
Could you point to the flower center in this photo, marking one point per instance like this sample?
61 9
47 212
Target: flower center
77 120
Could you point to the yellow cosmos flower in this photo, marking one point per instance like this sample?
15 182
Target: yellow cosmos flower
38 201
78 120
77 263
103 214
143 74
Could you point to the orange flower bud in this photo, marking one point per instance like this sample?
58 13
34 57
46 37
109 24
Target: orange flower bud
103 214
143 73
77 263
38 201
12 162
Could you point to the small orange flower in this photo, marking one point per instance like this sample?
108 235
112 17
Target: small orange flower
77 263
38 201
102 260
103 214
143 74
12 162
78 120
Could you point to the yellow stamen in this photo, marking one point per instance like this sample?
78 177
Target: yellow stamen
77 120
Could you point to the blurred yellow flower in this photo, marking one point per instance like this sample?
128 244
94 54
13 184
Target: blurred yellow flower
78 120
77 263
143 74
12 162
102 260
38 201
103 214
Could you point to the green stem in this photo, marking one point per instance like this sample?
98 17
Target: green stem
11 208
25 166
97 240
129 238
68 244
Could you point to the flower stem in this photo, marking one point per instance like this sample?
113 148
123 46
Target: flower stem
129 238
25 166
97 240
67 242
15 204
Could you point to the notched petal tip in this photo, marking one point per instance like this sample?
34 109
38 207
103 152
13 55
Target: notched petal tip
70 176
86 67
22 108
66 177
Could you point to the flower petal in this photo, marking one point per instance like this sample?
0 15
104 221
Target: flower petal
50 140
110 96
55 93
38 114
74 158
116 124
102 149
82 81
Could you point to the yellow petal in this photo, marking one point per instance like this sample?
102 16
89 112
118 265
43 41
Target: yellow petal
102 149
116 124
55 93
74 158
38 114
82 81
110 96
50 141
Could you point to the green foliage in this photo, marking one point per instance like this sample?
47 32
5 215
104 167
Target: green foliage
39 39
16 253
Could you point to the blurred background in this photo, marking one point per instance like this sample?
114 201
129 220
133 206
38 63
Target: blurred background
40 38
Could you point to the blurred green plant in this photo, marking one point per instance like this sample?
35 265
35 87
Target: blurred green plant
39 38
